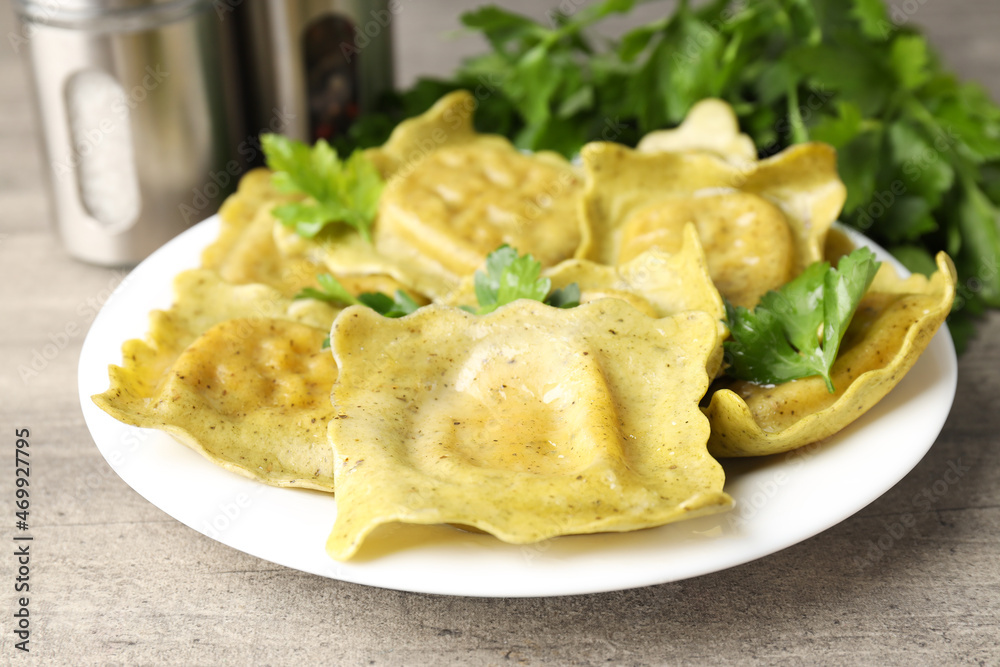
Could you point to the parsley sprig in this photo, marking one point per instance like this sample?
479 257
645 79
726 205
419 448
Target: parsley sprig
795 332
338 191
331 290
509 277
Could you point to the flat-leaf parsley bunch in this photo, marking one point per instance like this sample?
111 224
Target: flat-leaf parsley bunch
918 149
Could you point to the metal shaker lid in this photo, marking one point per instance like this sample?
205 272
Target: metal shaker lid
107 15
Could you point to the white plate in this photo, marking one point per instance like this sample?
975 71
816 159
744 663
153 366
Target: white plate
780 501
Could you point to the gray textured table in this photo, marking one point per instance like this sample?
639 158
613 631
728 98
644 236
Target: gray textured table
115 580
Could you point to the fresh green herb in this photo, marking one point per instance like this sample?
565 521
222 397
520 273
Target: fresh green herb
565 297
337 191
795 332
331 290
510 277
383 304
918 150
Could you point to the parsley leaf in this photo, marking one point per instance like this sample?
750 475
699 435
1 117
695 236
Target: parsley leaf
565 297
332 291
872 17
337 191
510 277
381 303
795 332
909 58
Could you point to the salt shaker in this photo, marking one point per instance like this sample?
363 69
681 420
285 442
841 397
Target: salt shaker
139 110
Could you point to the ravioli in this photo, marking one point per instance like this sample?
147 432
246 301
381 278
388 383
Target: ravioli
760 225
151 369
528 423
245 252
656 283
441 221
253 396
710 127
447 123
236 215
669 283
895 321
202 299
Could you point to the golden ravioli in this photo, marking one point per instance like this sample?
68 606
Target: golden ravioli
527 423
669 283
202 300
891 328
657 283
253 396
710 127
760 224
237 213
447 123
463 202
246 252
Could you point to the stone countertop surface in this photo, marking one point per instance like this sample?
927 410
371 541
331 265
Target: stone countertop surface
116 580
